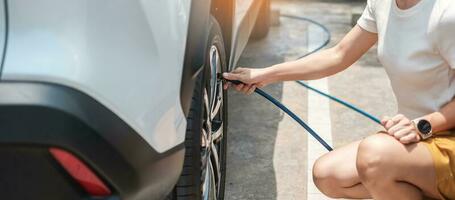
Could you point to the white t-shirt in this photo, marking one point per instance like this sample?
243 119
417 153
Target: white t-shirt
416 46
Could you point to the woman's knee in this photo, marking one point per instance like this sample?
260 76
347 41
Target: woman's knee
321 169
324 177
374 157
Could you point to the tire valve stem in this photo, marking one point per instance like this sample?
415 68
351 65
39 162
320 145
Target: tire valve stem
219 76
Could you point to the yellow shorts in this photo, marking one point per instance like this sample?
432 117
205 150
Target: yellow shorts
442 149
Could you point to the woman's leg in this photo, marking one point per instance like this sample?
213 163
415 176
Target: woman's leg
336 176
391 170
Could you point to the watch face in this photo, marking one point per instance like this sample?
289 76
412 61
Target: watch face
424 126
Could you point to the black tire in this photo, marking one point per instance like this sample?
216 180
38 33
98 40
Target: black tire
262 25
189 185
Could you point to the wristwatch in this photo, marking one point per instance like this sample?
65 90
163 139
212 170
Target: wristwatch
423 127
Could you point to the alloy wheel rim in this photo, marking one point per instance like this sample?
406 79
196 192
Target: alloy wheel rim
212 130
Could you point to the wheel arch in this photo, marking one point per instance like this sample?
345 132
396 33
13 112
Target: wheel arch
223 11
197 38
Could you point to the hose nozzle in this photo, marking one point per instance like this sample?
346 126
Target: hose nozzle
219 76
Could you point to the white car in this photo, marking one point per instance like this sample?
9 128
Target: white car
118 99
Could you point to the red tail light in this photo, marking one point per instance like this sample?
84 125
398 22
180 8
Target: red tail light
80 172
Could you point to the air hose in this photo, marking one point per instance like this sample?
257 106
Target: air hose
289 112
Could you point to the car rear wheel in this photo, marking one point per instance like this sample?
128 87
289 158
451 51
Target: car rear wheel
204 170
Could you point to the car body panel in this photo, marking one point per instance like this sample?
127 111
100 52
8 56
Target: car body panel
244 20
35 116
2 32
126 60
241 10
116 69
196 44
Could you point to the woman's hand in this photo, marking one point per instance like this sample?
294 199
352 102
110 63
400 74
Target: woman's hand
401 128
253 78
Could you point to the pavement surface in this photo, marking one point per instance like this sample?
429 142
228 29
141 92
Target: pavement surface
270 156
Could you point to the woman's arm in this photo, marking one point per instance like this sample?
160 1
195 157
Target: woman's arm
326 62
318 65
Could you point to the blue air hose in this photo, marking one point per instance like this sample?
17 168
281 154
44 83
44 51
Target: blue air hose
295 117
324 28
344 103
289 112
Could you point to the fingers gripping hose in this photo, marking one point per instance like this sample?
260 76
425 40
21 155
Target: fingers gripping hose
289 112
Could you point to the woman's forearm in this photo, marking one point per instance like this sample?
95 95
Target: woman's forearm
327 62
444 119
315 66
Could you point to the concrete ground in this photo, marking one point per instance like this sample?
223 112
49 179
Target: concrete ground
270 155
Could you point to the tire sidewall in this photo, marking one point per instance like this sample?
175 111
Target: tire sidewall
189 185
215 38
